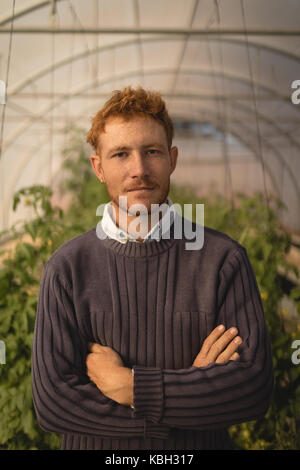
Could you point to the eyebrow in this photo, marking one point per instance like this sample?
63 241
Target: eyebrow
154 144
121 148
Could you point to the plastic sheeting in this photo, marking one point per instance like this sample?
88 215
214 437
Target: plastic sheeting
229 64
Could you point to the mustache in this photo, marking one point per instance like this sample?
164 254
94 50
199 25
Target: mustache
141 185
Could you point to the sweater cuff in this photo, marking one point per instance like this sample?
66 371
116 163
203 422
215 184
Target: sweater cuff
148 396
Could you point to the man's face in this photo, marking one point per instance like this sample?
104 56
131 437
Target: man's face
135 154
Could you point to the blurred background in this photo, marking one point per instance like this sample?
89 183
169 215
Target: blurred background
228 72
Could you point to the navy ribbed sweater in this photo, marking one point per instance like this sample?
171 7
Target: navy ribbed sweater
154 303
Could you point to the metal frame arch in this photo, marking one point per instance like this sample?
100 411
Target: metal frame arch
270 123
235 41
266 120
25 159
25 10
13 90
213 119
81 89
67 60
35 5
192 97
274 150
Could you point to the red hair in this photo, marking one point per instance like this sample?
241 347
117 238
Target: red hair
129 103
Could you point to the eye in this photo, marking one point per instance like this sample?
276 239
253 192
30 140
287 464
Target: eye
120 154
153 151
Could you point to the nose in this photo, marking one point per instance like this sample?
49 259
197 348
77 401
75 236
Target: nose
139 167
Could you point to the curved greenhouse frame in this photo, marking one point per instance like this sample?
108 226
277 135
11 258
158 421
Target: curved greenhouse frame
227 64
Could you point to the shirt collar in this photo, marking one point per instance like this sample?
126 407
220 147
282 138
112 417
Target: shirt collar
113 231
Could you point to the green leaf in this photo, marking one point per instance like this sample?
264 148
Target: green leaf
16 201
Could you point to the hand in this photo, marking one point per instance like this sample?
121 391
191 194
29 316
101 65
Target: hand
105 368
219 347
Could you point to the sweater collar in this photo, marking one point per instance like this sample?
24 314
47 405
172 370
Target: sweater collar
153 246
116 233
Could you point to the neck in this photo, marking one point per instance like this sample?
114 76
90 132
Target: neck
133 224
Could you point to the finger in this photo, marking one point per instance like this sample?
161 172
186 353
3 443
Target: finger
219 346
234 356
94 347
212 338
229 351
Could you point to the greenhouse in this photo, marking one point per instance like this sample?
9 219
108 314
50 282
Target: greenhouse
229 74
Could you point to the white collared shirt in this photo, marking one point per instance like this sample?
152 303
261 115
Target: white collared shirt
113 231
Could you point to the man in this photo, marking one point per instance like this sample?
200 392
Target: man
140 343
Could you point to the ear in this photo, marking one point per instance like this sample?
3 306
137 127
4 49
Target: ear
174 155
97 167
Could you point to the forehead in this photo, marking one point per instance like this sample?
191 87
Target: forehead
138 130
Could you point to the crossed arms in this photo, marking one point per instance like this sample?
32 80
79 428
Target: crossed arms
77 390
105 367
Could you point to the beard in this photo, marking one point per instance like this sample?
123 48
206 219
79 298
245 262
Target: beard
139 208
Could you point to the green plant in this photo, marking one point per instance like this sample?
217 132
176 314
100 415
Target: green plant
252 223
256 226
20 275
